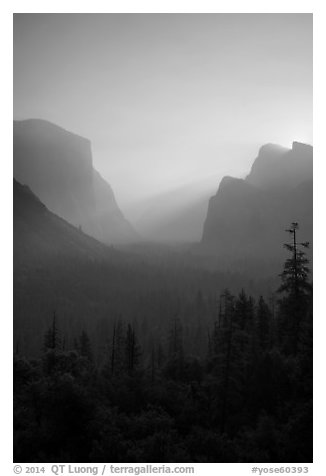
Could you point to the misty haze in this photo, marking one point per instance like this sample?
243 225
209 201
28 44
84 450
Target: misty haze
163 232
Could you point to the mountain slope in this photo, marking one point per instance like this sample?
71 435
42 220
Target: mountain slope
57 267
57 166
246 219
40 235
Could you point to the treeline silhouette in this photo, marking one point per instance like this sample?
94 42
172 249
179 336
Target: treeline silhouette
247 398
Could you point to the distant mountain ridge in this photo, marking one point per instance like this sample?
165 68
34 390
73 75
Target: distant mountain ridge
57 166
246 218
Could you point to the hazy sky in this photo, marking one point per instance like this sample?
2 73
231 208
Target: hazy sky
167 99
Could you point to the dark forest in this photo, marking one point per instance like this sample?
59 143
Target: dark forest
218 380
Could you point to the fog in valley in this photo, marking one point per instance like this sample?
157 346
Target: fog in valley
170 103
163 231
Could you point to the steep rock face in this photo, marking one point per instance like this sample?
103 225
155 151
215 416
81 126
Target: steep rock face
232 212
57 166
277 167
246 219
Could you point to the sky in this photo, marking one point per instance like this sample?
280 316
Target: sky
169 101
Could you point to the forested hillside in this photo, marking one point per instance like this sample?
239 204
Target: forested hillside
231 383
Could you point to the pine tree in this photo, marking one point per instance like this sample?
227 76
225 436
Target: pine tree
297 290
113 349
244 311
263 322
160 355
176 339
51 338
52 348
84 346
132 351
175 362
295 272
116 360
